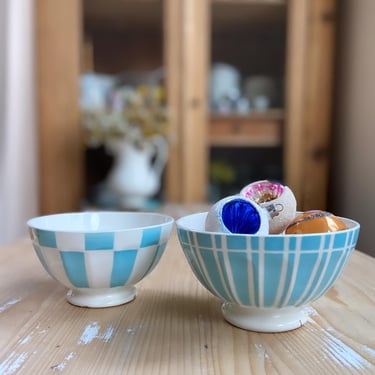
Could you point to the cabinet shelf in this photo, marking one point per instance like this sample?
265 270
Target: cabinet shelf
234 15
120 15
258 129
146 14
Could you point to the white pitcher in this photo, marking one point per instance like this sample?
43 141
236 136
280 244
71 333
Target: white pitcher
136 174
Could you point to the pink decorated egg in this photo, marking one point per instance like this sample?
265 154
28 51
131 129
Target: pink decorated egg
277 199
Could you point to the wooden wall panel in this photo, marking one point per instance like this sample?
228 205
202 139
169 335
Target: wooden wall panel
187 59
295 78
318 105
310 58
173 68
58 36
196 33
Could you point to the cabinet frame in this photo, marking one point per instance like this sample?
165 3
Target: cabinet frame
306 138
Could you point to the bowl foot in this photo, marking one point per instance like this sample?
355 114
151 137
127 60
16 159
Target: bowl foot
105 297
264 319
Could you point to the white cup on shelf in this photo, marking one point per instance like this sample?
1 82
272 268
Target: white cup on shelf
260 91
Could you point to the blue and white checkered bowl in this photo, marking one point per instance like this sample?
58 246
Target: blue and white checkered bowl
100 256
265 281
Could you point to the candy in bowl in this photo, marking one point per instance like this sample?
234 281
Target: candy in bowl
265 281
100 256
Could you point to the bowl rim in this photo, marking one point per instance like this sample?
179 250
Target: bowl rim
353 226
37 221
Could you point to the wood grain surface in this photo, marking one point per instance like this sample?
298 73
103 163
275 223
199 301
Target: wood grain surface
175 326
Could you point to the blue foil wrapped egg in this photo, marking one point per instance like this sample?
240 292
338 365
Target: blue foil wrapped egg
236 214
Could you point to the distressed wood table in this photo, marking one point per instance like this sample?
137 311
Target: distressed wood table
175 326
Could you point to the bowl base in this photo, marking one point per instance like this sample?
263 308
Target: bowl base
264 319
105 297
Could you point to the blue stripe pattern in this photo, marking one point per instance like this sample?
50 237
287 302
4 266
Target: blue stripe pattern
270 271
150 236
123 263
46 238
99 241
159 252
74 265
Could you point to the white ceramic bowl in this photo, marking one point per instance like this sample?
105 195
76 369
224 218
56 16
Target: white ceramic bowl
100 256
265 282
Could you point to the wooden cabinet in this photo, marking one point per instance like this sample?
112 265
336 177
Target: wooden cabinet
183 36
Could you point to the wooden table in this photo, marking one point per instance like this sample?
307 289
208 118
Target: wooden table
175 326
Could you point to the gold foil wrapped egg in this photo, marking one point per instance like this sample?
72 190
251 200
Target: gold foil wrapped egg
315 221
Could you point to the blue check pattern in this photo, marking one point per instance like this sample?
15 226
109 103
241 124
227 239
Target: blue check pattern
122 257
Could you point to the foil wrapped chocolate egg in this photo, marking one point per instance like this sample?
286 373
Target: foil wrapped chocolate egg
236 214
315 221
277 199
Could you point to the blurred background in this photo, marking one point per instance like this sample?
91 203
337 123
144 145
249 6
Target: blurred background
137 104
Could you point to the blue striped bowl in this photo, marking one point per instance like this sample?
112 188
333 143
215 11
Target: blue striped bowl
265 281
100 256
